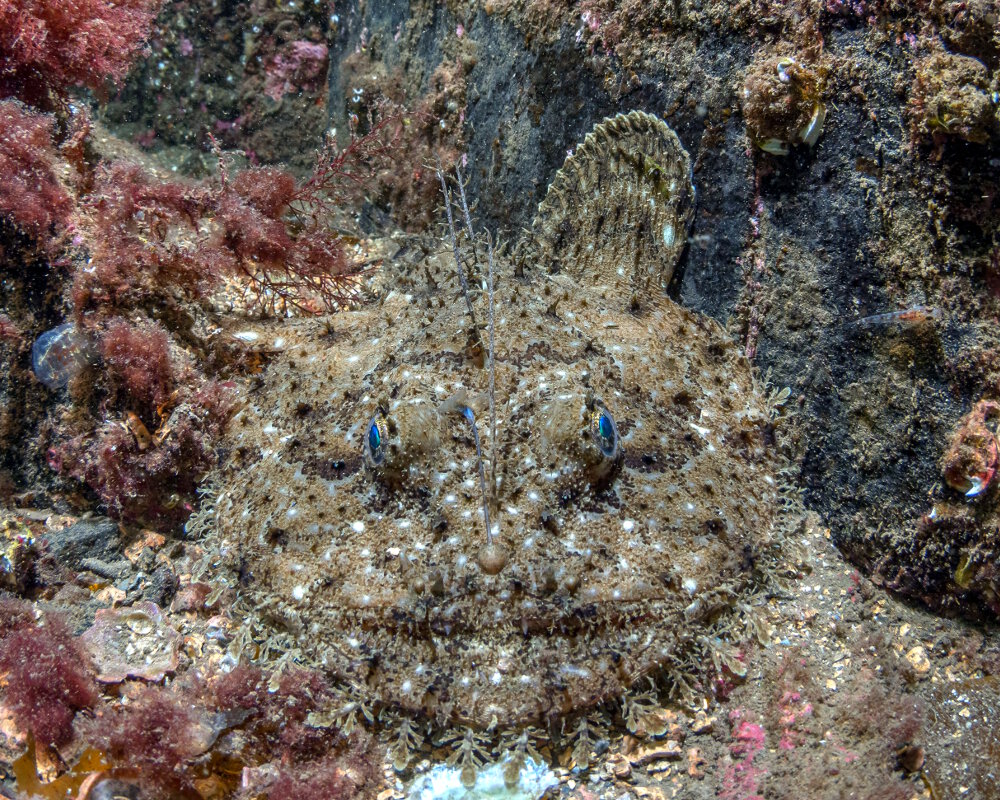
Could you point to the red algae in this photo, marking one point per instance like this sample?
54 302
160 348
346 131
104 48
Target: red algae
139 363
330 778
158 734
30 192
47 675
51 45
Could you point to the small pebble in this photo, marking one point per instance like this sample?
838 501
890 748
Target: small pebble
695 762
669 749
702 723
917 657
620 767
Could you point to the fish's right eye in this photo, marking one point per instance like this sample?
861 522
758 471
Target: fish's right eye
377 439
402 447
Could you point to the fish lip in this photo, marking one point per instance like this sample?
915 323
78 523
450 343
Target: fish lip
546 619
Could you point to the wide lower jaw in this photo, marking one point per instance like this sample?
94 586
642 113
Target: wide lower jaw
518 674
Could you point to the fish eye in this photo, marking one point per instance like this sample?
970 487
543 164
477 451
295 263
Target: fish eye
377 439
602 425
604 430
400 446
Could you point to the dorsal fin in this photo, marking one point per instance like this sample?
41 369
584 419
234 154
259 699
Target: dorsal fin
619 209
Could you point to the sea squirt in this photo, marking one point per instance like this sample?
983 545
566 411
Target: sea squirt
59 354
634 470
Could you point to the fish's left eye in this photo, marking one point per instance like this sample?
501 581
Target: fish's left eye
376 442
602 426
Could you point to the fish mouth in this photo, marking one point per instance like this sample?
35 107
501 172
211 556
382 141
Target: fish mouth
551 663
482 616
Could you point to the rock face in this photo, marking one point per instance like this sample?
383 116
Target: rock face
634 500
95 538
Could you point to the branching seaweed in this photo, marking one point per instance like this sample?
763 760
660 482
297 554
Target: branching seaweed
470 750
517 749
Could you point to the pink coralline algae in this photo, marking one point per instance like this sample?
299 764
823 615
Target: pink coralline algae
741 779
302 67
794 708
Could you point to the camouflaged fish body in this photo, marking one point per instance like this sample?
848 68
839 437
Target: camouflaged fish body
635 491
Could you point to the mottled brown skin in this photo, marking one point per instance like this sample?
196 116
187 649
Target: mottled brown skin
612 562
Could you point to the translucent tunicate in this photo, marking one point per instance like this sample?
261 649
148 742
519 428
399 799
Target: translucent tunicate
445 782
59 354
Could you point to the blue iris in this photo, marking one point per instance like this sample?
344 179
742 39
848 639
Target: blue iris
376 439
606 433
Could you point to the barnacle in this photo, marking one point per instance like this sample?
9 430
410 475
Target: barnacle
783 103
951 97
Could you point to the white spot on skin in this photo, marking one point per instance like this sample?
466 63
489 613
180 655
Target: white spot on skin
690 585
668 234
299 593
358 526
628 525
703 432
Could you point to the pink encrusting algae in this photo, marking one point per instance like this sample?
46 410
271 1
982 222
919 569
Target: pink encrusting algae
740 777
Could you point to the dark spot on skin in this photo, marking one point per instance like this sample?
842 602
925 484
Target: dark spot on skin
549 522
648 462
331 469
243 573
277 537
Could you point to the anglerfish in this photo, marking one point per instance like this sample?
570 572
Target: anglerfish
628 465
